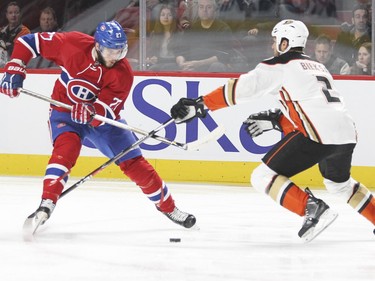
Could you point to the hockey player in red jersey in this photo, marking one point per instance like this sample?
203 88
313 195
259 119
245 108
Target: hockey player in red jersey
95 79
315 122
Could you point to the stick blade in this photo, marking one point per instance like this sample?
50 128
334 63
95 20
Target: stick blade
214 135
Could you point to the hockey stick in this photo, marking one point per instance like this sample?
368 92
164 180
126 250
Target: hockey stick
215 134
117 157
30 226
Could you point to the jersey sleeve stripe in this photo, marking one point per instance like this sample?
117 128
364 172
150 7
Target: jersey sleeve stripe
230 92
64 77
31 42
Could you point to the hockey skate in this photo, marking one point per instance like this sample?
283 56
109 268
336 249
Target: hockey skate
38 218
318 216
181 218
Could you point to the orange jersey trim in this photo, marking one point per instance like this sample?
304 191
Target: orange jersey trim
223 96
24 30
299 117
286 125
216 99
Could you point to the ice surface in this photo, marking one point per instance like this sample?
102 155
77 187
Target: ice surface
108 230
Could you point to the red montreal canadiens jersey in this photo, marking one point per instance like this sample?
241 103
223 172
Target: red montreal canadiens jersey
305 90
82 78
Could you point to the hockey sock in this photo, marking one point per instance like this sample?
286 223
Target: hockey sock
288 195
65 153
363 202
140 171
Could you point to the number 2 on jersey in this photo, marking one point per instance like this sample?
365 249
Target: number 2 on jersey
327 89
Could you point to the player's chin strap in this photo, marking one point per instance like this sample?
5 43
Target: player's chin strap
214 135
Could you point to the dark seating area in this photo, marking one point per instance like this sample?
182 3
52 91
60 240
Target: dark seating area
74 15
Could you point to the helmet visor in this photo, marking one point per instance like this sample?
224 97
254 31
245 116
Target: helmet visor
113 54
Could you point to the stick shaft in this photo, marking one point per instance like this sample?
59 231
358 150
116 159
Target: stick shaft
105 119
115 158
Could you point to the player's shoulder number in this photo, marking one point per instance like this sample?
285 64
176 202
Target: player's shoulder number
47 36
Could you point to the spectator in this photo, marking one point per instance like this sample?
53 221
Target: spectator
188 13
163 40
3 53
128 18
310 12
153 7
363 64
323 53
324 8
239 15
243 17
235 12
204 46
10 32
349 41
47 21
295 9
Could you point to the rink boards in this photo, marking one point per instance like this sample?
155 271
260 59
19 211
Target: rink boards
25 143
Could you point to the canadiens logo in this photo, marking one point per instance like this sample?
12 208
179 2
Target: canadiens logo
81 90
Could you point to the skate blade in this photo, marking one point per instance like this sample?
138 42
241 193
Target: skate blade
28 229
32 224
325 220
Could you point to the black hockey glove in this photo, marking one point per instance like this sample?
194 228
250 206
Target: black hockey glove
263 121
187 109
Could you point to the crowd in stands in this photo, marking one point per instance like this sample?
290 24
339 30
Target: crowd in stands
223 35
323 53
10 32
163 40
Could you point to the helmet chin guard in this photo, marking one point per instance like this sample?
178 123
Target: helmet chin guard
294 31
110 35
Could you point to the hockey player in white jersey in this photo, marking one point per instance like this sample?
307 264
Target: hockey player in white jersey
316 126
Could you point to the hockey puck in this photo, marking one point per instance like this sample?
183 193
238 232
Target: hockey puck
174 240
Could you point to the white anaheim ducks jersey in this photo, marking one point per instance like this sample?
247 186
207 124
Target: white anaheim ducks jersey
307 93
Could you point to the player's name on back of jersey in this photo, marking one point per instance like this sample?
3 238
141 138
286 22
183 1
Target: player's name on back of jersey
313 66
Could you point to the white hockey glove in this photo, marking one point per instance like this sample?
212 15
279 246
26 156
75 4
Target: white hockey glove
187 109
263 121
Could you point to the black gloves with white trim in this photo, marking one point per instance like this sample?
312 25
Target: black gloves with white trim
187 109
263 121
